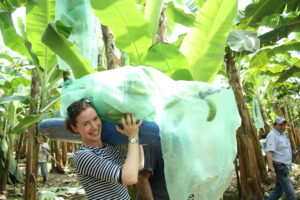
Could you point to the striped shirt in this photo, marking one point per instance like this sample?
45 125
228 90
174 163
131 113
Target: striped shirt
99 171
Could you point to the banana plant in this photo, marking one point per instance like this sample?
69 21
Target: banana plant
13 117
29 44
41 59
257 11
134 33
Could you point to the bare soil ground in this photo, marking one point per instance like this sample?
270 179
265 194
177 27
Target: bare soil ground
66 186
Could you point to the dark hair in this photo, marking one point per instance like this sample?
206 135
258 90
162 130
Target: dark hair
284 122
44 138
75 109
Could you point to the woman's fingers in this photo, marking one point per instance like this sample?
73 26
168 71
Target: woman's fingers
119 129
133 119
140 123
129 121
123 122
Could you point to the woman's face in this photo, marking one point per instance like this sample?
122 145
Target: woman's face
89 126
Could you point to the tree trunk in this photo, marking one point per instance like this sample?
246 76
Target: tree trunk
161 35
64 154
249 151
267 127
277 109
18 147
291 111
74 146
4 169
58 156
113 54
291 130
52 154
32 144
281 111
24 145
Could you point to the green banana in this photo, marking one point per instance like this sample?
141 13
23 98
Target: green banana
212 109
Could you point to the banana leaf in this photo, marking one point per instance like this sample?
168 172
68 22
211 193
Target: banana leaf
168 59
256 12
54 38
204 44
130 28
190 5
38 15
179 16
5 99
289 72
14 170
283 31
240 40
10 37
152 14
27 121
263 56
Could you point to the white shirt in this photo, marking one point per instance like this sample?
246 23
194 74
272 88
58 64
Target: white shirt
280 146
42 153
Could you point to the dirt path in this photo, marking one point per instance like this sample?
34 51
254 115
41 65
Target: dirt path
66 186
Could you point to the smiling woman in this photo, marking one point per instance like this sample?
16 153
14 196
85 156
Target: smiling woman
109 168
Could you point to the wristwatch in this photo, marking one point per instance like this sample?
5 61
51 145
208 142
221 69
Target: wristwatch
271 170
133 140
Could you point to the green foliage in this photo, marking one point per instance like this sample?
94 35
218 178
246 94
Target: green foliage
243 41
282 31
204 44
192 6
65 49
14 171
152 14
52 193
11 5
50 103
47 195
179 16
290 88
256 12
27 121
6 57
10 36
293 5
38 15
6 99
130 28
167 58
288 73
263 56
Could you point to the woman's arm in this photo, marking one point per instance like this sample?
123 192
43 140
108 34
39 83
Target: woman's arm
142 159
132 162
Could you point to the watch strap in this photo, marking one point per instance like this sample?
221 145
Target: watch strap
271 170
133 140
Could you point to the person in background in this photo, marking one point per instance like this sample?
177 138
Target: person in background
104 170
151 183
279 157
43 157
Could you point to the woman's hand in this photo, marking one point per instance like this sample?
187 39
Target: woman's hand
130 127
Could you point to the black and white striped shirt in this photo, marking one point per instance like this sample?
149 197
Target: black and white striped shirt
99 171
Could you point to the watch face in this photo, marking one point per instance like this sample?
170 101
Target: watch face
133 140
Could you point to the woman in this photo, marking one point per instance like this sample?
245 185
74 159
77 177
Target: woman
104 170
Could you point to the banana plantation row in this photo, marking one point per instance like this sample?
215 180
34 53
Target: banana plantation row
254 49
